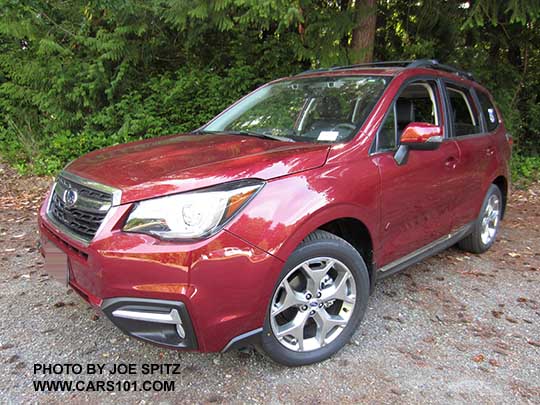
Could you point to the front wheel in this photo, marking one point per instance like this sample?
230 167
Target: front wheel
318 302
486 226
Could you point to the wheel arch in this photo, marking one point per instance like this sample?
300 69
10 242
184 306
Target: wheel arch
502 183
345 222
358 235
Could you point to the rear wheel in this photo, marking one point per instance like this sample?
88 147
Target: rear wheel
487 225
318 302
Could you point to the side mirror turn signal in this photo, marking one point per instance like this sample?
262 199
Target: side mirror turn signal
422 136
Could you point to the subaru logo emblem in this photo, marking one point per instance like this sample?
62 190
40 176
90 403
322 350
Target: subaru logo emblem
70 197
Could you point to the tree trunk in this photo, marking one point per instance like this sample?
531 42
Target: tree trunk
363 36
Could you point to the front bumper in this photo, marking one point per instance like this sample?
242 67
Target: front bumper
219 287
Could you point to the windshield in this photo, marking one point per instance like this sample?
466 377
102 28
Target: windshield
322 109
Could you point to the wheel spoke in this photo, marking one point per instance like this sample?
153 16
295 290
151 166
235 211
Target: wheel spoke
326 323
292 298
315 276
340 290
294 328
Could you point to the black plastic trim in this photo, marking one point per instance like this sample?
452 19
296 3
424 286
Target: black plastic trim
423 253
248 339
154 332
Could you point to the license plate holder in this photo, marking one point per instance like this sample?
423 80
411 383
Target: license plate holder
56 263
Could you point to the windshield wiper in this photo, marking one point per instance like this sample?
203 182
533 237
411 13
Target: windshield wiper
248 133
263 135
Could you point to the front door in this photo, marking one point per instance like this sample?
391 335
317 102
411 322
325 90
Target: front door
416 197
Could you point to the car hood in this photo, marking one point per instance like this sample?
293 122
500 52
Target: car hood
178 163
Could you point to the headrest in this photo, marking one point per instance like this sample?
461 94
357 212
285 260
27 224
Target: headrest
404 110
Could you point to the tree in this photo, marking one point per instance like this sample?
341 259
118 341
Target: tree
363 35
83 74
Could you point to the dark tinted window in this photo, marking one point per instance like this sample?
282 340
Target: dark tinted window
418 102
490 114
387 132
464 116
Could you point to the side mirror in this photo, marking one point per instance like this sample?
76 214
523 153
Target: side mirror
422 136
418 136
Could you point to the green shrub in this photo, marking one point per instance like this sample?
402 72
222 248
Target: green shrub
525 169
79 75
166 104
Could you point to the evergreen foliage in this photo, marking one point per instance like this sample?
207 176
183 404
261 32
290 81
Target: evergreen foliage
80 75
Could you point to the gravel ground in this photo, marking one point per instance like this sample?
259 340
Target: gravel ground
456 327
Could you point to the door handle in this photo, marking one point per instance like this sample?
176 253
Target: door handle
451 162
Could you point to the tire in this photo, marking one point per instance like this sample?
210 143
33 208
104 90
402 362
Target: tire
339 286
478 241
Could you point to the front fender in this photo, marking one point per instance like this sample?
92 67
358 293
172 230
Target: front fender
290 208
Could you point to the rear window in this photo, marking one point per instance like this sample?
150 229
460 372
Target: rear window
489 111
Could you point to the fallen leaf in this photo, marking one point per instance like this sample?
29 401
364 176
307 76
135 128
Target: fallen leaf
478 358
13 358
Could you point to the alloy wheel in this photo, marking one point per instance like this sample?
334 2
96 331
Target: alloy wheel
490 219
313 304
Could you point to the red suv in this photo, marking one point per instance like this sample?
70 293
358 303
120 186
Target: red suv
271 224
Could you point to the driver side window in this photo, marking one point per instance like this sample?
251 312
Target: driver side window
416 103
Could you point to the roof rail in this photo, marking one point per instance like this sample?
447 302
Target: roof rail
397 63
434 64
407 64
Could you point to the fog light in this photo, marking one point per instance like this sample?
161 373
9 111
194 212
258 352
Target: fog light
158 321
171 318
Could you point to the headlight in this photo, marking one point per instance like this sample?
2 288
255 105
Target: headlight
191 215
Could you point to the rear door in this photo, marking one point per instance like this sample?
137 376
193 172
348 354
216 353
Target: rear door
416 196
476 151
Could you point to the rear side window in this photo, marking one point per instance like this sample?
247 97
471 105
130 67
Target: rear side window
488 109
464 116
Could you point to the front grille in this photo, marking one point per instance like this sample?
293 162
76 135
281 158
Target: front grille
84 217
85 191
